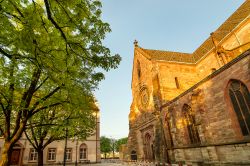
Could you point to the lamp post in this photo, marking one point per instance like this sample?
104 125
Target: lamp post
96 134
65 148
76 151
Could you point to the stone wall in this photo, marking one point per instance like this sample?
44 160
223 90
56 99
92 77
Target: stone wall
169 72
202 85
218 127
235 154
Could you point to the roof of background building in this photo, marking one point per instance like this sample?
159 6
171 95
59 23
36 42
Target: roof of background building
235 19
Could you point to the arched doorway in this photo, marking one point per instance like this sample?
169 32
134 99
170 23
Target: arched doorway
148 147
16 154
133 155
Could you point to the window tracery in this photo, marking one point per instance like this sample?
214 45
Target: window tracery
189 120
240 99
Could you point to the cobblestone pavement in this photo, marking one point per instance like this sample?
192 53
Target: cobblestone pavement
128 164
120 164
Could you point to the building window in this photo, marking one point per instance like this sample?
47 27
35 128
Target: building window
83 152
33 155
240 99
133 155
177 83
68 154
138 69
190 123
52 154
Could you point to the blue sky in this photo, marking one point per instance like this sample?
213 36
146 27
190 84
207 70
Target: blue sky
173 25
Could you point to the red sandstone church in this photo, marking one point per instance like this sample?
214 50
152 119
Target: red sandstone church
194 108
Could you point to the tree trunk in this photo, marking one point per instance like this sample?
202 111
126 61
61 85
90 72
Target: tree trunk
105 155
7 147
5 154
40 157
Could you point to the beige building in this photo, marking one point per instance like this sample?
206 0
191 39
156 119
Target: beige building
87 151
196 105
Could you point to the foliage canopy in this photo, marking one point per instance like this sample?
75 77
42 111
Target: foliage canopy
49 53
105 145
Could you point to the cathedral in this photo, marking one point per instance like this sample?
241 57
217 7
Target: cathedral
194 108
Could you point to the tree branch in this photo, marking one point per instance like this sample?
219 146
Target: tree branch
51 139
44 99
15 56
39 86
1 131
65 11
13 15
18 10
52 20
40 125
30 141
2 106
19 132
32 88
5 53
27 95
45 107
26 99
4 96
18 119
10 98
34 3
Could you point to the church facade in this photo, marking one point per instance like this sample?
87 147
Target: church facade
194 107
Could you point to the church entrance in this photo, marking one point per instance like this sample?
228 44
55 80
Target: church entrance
148 147
16 154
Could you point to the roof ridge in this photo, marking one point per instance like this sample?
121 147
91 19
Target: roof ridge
166 51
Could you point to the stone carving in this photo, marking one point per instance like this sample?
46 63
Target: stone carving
223 54
143 97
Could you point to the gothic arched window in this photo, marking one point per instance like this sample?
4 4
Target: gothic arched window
138 69
190 123
240 99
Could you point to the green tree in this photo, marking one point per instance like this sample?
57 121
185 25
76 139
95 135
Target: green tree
49 53
120 142
105 145
113 145
56 124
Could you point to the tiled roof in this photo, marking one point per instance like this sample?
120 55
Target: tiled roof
169 56
237 17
